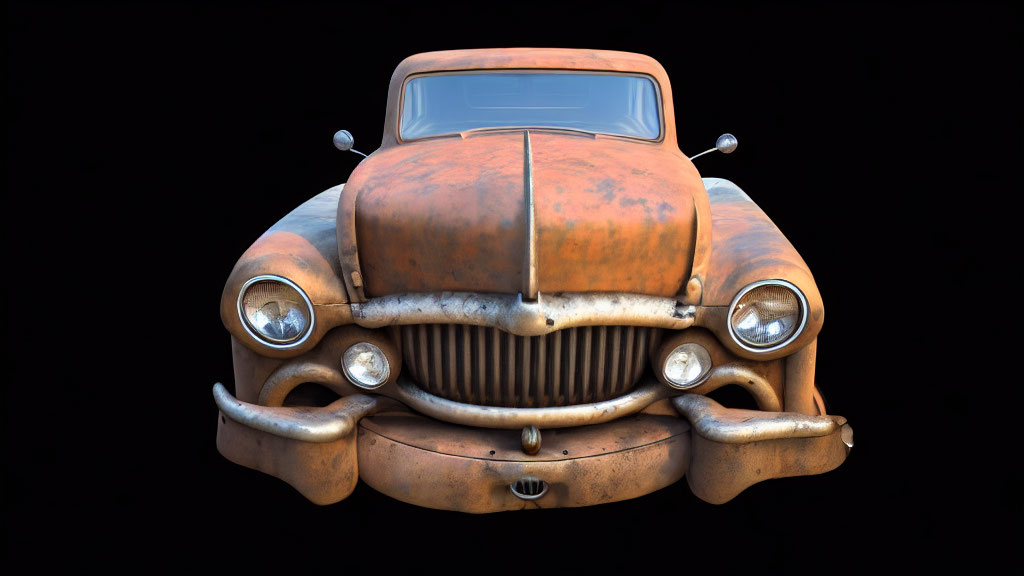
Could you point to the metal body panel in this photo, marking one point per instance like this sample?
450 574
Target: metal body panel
612 215
452 214
436 465
747 247
441 215
303 248
323 472
719 471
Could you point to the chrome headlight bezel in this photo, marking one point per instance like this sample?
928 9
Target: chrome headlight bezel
264 340
801 299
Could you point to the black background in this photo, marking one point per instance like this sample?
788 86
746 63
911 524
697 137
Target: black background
149 145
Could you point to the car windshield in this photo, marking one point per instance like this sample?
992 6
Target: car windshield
618 104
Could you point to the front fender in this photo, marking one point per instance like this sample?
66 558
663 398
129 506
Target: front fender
746 246
301 247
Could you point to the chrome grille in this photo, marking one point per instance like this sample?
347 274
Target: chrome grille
490 367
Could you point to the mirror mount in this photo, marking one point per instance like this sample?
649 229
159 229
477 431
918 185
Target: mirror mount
726 144
343 141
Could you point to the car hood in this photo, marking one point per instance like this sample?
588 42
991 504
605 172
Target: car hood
454 214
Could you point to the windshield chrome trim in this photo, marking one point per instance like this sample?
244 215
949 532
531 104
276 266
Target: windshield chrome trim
657 92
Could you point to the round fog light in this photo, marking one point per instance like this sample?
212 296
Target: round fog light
365 365
687 366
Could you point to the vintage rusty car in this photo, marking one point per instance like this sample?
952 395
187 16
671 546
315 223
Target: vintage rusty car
522 299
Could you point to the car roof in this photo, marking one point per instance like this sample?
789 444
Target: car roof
554 58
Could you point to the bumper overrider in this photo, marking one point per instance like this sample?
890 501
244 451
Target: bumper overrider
438 453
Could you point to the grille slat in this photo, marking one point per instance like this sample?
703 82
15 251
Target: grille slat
615 351
640 351
570 369
467 364
600 354
510 370
486 366
524 369
423 368
541 367
627 356
585 364
409 366
451 363
556 368
480 360
495 364
436 357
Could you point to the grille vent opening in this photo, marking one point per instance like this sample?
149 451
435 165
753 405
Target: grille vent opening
311 394
529 488
489 367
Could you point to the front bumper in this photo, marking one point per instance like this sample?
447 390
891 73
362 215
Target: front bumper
322 452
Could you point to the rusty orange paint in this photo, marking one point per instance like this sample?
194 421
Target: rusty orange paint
442 215
324 473
800 390
748 247
612 215
301 247
449 214
719 472
443 466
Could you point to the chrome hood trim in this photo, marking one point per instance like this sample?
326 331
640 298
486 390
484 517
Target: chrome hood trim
511 313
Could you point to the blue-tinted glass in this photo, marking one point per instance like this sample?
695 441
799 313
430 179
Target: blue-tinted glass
602 103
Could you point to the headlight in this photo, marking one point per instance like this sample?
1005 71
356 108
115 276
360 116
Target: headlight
365 365
766 315
687 366
275 311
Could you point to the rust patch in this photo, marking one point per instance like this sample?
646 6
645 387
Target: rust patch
747 247
303 248
442 215
615 461
450 215
617 228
